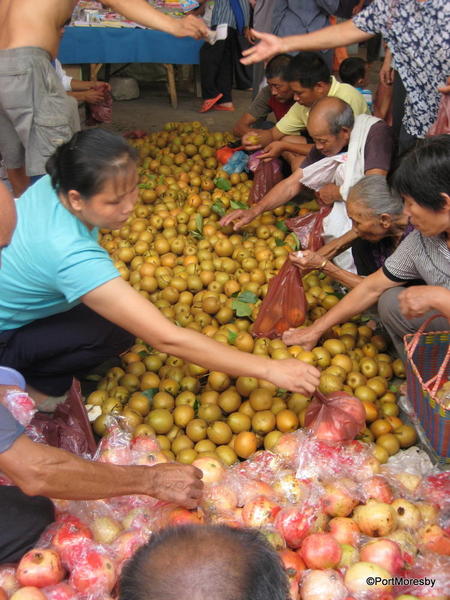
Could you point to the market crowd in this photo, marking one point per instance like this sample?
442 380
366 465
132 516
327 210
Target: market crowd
64 307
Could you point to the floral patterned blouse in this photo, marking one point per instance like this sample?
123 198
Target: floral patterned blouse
418 33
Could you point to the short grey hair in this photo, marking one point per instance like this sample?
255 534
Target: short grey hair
373 192
343 117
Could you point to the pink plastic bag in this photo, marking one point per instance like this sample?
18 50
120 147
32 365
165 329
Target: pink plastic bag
285 303
335 417
309 228
442 123
266 176
101 112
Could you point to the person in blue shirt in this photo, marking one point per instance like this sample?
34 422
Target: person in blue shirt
64 307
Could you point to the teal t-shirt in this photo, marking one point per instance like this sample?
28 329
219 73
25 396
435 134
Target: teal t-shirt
52 261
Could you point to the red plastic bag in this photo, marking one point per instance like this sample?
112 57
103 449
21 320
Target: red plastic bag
101 112
335 417
309 228
284 306
267 175
68 427
442 123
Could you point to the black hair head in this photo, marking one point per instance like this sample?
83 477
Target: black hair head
87 160
277 66
423 172
352 69
308 69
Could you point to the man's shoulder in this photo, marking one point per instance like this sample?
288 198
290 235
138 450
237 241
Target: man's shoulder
349 94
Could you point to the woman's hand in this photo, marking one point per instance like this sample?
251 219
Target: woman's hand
445 89
329 194
295 375
306 337
272 150
307 260
239 218
264 50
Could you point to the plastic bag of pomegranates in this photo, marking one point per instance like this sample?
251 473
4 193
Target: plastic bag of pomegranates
19 403
335 417
284 305
309 228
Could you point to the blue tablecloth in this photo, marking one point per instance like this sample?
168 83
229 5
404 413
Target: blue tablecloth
110 45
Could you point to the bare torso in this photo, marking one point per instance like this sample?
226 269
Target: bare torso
33 23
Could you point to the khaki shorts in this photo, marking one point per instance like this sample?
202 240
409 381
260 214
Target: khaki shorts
36 115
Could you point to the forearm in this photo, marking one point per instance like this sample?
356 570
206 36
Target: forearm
280 194
79 96
441 301
299 148
334 36
359 299
348 279
143 13
55 473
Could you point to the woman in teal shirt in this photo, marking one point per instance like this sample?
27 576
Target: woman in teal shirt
64 307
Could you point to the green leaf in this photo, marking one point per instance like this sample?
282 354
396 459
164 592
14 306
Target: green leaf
248 297
199 223
279 242
222 184
143 354
296 245
281 225
150 392
235 204
232 335
281 393
242 308
197 235
218 208
196 407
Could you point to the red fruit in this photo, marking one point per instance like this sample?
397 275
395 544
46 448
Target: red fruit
39 567
260 512
384 553
70 532
126 544
295 524
377 488
182 516
93 572
344 530
435 539
144 443
60 591
3 594
321 551
293 563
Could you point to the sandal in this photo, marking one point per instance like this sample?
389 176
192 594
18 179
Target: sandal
221 107
209 103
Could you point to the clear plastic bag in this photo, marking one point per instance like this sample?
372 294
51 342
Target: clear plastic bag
335 417
309 228
19 403
284 305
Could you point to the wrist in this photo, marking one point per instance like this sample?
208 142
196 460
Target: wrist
323 264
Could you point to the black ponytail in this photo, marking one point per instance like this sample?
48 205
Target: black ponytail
87 160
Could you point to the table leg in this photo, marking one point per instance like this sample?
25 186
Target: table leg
95 68
171 85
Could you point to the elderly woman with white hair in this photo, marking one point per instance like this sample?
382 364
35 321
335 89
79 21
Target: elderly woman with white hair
379 225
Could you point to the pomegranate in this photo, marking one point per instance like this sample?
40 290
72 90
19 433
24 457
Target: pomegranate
322 585
365 579
39 567
320 551
344 530
375 519
384 553
407 514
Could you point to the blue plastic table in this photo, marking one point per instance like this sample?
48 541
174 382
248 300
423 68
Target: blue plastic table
98 45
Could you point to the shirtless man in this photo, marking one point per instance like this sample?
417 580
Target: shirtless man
33 103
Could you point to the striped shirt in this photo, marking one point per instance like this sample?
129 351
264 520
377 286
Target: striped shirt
420 257
223 13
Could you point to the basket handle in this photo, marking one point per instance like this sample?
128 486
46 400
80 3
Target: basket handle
432 385
412 345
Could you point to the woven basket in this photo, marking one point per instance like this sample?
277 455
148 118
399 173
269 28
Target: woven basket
428 367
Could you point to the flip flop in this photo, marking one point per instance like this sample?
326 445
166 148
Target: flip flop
209 103
221 107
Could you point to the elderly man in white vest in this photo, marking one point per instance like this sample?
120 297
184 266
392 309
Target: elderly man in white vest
345 149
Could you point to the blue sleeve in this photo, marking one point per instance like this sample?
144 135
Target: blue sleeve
83 269
10 429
